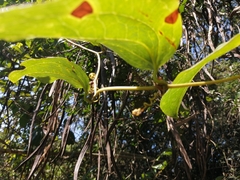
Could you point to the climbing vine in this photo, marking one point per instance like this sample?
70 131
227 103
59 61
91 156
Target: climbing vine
146 36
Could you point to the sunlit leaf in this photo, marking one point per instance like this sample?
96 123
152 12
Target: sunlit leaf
172 99
182 6
167 152
144 33
161 166
51 69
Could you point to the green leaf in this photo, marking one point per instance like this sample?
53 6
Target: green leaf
48 70
168 152
144 33
182 6
161 166
172 99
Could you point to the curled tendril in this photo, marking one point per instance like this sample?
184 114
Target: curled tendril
92 97
139 111
92 76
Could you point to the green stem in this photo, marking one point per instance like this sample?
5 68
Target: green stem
127 88
150 88
201 83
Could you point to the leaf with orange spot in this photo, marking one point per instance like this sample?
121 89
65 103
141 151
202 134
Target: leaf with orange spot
82 10
130 28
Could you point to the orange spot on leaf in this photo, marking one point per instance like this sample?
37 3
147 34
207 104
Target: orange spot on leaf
82 10
169 40
172 18
144 14
171 43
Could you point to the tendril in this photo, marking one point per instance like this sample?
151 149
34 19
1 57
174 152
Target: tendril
139 111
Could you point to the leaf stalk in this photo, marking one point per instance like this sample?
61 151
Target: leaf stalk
163 84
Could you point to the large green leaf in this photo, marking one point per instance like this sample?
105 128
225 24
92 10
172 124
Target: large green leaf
145 33
172 99
51 69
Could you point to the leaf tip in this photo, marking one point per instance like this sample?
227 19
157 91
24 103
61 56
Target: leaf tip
82 10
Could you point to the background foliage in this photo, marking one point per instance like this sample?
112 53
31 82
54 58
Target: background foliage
120 145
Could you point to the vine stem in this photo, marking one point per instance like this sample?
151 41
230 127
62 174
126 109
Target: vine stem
98 67
201 83
146 88
126 88
169 86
